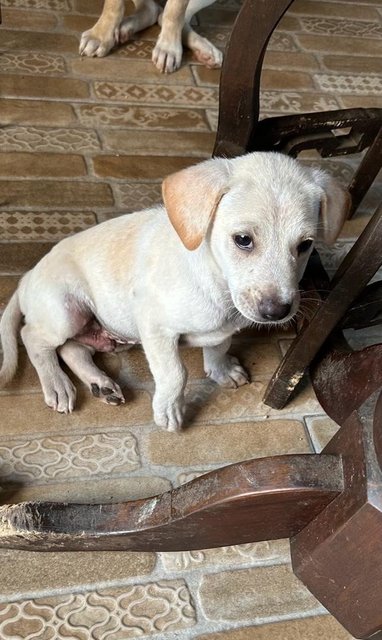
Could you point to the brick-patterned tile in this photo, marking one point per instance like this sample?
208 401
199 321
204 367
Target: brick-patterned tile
334 9
275 591
52 165
131 167
43 87
171 143
51 194
34 20
36 112
32 40
316 628
227 442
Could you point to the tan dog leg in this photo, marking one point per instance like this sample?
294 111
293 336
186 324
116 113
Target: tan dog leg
101 38
204 51
146 14
176 18
111 29
79 359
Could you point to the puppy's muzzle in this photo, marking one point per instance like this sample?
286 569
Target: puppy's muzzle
273 310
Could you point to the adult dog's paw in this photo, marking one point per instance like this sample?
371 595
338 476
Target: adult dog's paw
97 45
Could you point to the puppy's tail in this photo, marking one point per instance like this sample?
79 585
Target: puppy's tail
9 326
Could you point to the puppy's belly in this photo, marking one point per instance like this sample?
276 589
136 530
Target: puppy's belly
96 336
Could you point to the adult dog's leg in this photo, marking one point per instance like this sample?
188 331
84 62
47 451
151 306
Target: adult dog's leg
59 392
146 14
204 51
223 368
176 18
79 359
167 53
101 38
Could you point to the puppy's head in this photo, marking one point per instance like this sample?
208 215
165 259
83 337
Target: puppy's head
259 215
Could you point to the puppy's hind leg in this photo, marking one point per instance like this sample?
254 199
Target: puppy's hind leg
223 368
59 392
79 359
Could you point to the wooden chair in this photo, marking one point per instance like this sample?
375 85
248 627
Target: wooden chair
329 504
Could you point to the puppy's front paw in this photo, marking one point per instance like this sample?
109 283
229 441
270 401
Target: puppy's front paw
229 373
169 415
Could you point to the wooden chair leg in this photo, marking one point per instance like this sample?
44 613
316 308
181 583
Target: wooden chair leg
367 172
338 556
240 76
354 273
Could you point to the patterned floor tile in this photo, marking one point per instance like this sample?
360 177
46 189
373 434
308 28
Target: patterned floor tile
328 26
142 609
350 84
264 553
142 117
41 139
24 226
58 458
41 63
294 102
137 195
54 5
148 94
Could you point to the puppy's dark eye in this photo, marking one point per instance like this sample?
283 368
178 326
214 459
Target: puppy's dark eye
304 246
243 241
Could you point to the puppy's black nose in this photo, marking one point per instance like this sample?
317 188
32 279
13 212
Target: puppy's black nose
272 309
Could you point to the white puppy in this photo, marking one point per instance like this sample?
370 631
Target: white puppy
228 251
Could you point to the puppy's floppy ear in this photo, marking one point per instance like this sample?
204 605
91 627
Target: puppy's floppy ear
334 206
191 197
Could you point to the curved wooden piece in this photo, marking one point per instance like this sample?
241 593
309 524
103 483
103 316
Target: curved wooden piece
240 76
261 499
343 380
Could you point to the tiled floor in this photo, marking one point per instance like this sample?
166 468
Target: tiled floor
82 140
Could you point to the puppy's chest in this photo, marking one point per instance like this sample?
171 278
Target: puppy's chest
208 338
